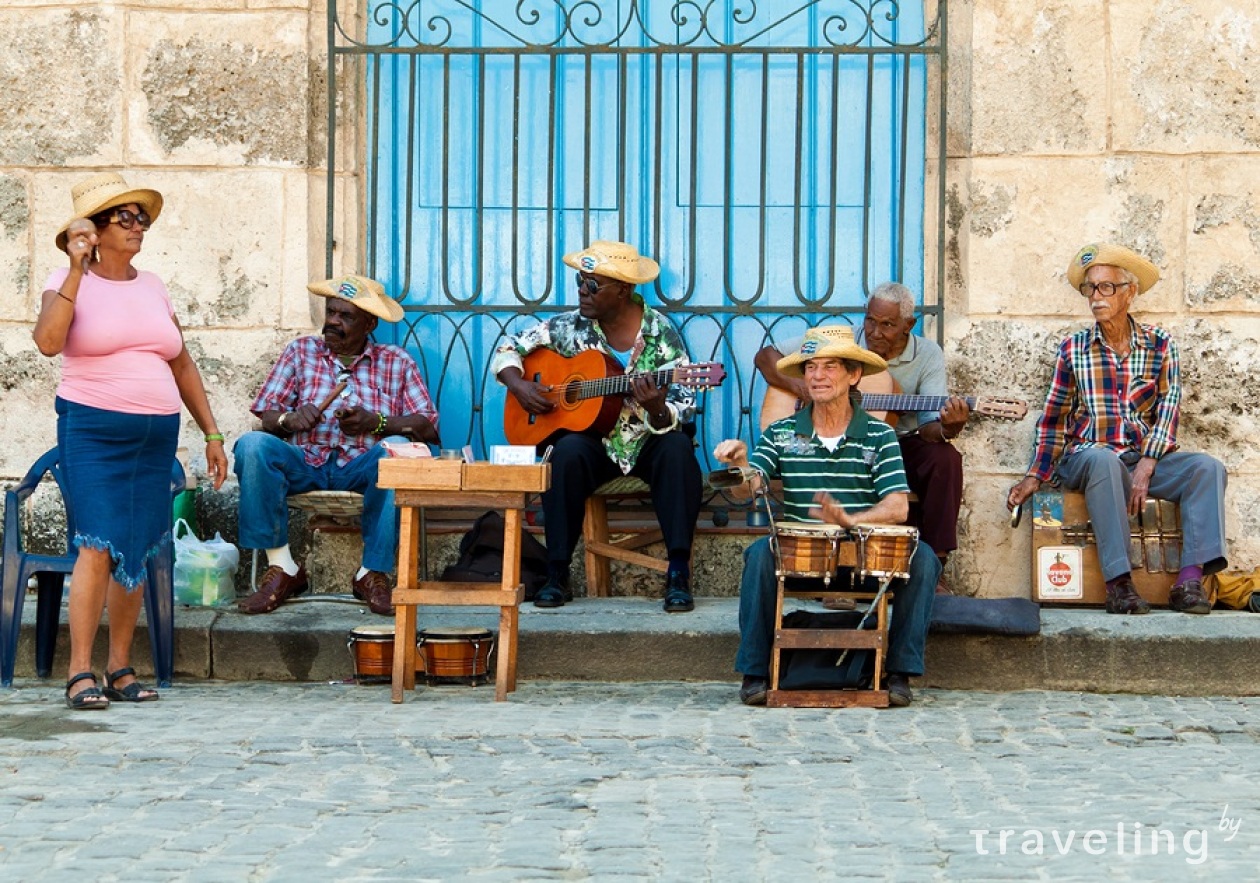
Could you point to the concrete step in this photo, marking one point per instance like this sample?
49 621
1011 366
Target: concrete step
632 639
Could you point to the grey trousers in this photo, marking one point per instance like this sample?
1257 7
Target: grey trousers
1195 482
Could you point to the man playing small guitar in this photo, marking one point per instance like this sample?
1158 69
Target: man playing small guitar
933 467
649 438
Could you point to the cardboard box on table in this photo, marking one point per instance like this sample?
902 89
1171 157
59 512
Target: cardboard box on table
1065 556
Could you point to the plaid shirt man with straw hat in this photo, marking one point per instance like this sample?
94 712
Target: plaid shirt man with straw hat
1109 429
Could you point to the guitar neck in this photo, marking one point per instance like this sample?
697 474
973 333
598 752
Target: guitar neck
901 402
620 384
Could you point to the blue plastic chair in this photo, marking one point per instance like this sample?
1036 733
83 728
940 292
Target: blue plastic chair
50 572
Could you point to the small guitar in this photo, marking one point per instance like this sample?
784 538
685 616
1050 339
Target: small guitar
587 390
780 403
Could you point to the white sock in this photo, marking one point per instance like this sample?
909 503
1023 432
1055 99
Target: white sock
363 571
282 558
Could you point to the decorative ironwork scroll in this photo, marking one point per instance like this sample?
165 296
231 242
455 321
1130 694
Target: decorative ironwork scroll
772 156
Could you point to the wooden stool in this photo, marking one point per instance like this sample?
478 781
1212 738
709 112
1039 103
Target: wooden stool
816 551
600 549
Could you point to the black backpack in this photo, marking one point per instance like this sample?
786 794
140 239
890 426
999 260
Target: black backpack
481 556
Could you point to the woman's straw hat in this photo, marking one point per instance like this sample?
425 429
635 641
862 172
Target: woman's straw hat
616 260
1112 256
366 294
829 342
105 191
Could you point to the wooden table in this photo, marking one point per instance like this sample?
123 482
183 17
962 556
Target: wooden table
453 484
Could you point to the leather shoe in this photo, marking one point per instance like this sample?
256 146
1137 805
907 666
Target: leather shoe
678 593
553 594
274 589
753 690
374 589
899 694
1189 597
1123 598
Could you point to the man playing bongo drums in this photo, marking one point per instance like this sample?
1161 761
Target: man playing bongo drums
833 444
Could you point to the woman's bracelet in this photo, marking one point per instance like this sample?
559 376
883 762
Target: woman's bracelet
68 300
214 437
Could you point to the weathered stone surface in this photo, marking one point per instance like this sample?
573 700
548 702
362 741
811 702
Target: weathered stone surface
1037 81
233 89
1184 75
61 86
1033 216
15 266
1223 239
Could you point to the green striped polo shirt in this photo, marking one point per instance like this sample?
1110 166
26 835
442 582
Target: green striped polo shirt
864 468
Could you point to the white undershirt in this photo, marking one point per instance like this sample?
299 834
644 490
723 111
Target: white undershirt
830 442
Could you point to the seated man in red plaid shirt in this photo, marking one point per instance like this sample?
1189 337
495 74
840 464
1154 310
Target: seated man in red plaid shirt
1109 430
324 408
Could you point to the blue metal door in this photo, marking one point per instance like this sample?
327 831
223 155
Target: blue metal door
770 156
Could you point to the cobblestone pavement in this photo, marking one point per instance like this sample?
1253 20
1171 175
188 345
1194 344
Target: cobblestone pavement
623 781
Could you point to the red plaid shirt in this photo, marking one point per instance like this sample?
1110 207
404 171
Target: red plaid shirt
1099 400
383 378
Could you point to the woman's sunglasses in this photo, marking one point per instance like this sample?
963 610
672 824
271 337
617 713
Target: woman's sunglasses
124 218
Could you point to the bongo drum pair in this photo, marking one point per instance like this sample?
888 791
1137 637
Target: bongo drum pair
456 654
818 550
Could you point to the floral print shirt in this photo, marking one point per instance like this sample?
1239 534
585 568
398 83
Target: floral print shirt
657 346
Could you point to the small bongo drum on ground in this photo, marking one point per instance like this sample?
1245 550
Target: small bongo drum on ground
885 550
454 654
807 550
372 651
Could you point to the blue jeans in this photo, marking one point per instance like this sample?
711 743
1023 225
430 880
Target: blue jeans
270 469
908 626
1195 482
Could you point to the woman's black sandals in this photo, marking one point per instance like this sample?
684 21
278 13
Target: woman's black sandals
87 699
133 692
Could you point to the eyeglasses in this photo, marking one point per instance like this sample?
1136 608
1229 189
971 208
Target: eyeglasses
125 218
1106 289
589 285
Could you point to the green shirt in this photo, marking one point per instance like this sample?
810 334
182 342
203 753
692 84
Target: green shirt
864 468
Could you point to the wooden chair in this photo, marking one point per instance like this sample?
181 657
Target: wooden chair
601 549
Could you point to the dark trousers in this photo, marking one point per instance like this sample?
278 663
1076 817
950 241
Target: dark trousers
579 465
934 473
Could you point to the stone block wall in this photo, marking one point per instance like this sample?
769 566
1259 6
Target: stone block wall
1069 121
1074 121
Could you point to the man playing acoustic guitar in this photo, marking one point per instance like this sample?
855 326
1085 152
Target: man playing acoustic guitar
648 437
933 467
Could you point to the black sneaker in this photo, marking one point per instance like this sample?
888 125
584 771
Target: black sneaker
1123 598
1189 597
678 593
899 695
753 690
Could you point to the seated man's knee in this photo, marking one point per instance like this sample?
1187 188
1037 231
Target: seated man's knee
251 446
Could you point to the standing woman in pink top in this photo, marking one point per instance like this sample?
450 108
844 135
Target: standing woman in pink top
124 372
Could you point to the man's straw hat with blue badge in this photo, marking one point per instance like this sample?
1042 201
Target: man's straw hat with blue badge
366 294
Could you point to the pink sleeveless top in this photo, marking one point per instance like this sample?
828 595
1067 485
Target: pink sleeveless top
121 338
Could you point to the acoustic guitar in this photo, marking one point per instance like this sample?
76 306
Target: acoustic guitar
780 403
587 390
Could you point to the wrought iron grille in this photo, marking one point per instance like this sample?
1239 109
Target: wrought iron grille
771 156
